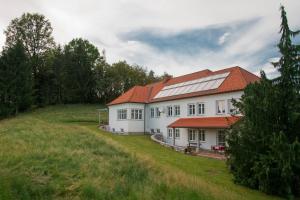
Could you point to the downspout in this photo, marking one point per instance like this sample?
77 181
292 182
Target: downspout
144 119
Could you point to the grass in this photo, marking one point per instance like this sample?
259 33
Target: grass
59 153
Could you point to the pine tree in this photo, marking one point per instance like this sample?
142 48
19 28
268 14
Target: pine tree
16 80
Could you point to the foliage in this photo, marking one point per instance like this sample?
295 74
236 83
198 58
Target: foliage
15 81
263 148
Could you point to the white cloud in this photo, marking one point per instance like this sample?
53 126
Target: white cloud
102 21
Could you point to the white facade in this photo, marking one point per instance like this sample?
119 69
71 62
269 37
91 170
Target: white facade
150 123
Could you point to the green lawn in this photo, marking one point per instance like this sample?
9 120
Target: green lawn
58 153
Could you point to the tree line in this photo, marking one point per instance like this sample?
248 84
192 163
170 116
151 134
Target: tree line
263 148
35 71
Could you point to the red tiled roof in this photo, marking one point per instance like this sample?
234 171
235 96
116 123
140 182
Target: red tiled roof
237 80
204 122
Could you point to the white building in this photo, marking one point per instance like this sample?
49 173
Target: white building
193 109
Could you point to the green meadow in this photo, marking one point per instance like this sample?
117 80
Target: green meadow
59 153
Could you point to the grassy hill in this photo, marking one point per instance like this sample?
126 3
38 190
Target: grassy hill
58 153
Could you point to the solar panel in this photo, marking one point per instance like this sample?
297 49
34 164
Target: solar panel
197 85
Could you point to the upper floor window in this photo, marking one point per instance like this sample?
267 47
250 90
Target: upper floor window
170 132
157 112
136 114
177 133
170 111
231 108
201 135
122 113
220 106
191 109
201 108
177 110
152 112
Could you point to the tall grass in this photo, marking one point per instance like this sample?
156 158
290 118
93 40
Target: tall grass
50 154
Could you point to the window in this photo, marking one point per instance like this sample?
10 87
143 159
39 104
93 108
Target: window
157 112
191 109
136 114
201 108
170 132
122 114
201 135
192 134
121 129
221 138
158 130
152 130
152 112
170 111
113 130
220 107
231 108
177 110
177 133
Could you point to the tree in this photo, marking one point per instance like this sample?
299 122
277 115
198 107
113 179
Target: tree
81 59
35 33
263 149
16 80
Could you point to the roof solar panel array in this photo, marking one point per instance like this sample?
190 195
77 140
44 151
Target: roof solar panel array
197 85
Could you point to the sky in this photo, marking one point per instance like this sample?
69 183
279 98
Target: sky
173 36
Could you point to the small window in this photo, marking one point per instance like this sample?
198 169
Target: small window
191 109
192 134
122 114
136 114
220 107
113 130
221 138
201 135
170 111
170 133
201 108
122 130
177 110
158 130
152 112
157 112
177 133
152 131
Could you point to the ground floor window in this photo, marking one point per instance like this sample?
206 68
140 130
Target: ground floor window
170 132
221 138
158 130
136 114
192 134
177 133
201 135
122 114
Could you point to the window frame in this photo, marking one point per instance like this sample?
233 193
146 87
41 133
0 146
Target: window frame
193 133
202 135
122 114
223 143
202 108
177 133
169 108
189 109
157 112
170 132
217 107
152 113
178 110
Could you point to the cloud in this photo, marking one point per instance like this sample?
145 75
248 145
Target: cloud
171 35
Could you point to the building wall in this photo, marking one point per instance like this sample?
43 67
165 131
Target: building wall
129 125
162 122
